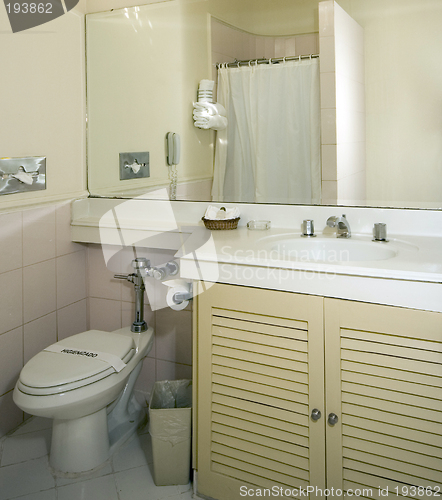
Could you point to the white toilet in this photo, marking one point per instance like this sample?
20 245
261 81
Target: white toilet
85 383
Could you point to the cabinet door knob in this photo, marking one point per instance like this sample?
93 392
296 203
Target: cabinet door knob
316 414
333 419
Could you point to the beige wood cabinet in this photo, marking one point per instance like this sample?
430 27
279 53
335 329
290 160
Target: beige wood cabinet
265 360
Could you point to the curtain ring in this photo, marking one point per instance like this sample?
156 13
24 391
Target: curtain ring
310 57
250 64
270 61
237 64
283 59
299 59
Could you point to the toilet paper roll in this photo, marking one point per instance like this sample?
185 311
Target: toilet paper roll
180 288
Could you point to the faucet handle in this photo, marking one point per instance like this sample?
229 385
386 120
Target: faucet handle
308 228
331 221
380 232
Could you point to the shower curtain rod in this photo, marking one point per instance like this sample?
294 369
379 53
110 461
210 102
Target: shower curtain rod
272 60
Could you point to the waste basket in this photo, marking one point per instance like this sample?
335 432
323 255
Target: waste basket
170 418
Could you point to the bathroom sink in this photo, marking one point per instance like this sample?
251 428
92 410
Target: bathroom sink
330 250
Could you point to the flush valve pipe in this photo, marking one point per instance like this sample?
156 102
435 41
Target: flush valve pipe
143 269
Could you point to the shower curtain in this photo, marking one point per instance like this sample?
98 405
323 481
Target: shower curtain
270 151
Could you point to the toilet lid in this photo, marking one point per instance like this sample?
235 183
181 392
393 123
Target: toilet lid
77 365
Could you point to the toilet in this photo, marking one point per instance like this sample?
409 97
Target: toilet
85 384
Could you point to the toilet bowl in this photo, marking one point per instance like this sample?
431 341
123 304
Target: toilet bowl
85 384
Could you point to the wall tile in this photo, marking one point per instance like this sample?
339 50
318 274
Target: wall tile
326 18
147 377
329 192
39 285
38 235
327 54
72 319
174 336
217 36
349 63
39 334
350 94
71 278
351 189
229 37
269 47
104 314
39 296
307 44
328 90
351 158
11 300
280 47
101 281
167 370
328 126
290 46
350 126
63 242
260 45
11 358
10 415
11 241
329 162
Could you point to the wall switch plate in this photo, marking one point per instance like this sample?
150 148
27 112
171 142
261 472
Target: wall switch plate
134 165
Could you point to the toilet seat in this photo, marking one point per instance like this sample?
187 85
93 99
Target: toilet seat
49 373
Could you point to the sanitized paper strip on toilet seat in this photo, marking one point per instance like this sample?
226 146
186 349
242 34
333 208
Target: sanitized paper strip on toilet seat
110 359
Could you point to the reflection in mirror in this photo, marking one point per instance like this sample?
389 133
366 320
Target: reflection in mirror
379 105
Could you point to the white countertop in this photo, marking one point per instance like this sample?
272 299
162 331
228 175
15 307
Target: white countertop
412 278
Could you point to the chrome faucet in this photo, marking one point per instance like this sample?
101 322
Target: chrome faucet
341 224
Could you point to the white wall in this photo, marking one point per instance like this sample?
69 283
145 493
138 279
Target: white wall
42 103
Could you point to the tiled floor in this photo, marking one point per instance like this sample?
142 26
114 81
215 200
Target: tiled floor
24 473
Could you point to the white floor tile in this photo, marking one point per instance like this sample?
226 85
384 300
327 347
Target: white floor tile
188 495
137 484
136 453
22 447
104 471
101 488
41 495
184 488
25 478
34 424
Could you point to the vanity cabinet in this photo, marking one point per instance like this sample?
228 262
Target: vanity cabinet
266 360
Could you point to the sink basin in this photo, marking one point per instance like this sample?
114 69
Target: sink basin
329 250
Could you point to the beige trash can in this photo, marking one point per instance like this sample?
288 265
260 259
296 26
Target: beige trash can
170 422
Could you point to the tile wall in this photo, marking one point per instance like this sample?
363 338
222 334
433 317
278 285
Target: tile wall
43 292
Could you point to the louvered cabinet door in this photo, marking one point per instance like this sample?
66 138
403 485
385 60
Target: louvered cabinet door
260 374
384 383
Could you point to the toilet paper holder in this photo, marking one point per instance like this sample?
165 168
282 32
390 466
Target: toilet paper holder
180 297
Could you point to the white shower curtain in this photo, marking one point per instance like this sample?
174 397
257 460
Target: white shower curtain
270 151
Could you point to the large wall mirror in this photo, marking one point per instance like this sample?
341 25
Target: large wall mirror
364 129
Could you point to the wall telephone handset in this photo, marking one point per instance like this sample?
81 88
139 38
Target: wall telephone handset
173 148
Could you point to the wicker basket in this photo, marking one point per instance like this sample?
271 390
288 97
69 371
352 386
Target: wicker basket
221 224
